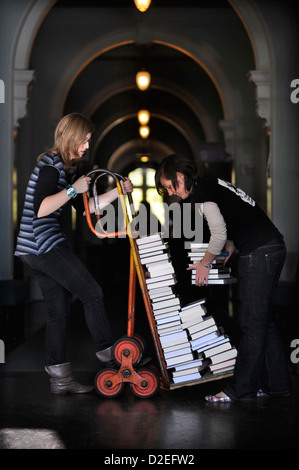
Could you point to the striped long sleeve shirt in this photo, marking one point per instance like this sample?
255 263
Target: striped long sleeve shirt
40 235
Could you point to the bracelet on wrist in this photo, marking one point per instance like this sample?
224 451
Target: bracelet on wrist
71 192
208 266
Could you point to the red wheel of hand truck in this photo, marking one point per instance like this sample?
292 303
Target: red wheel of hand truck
149 386
141 342
128 347
104 385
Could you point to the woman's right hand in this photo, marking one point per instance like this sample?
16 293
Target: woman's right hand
81 185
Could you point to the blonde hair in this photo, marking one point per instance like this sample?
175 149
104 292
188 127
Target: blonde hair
70 133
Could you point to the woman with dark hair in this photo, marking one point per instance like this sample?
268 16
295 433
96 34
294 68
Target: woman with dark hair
235 220
43 247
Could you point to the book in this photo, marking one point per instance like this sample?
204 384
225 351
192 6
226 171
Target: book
167 329
166 303
186 378
220 269
198 363
195 258
149 238
152 253
193 304
170 314
178 352
152 247
165 277
214 276
178 360
192 315
191 370
223 356
223 366
173 339
173 347
196 245
189 323
216 342
220 281
199 343
201 325
158 266
166 310
160 272
160 292
169 320
224 345
160 298
165 283
155 258
194 307
202 333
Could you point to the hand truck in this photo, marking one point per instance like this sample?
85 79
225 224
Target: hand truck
127 351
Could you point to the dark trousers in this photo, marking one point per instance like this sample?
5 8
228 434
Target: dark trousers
60 274
261 358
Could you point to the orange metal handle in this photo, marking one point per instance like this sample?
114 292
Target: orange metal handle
87 210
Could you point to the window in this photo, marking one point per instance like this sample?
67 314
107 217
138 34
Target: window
143 180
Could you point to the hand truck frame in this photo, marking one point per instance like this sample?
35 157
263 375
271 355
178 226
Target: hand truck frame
127 351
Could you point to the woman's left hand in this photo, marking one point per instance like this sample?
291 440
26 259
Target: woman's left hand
202 274
127 186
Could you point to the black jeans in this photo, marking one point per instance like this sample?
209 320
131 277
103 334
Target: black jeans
60 274
261 358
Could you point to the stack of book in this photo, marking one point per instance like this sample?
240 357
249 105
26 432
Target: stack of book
219 274
211 351
192 343
160 278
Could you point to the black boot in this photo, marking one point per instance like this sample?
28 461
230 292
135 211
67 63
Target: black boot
62 380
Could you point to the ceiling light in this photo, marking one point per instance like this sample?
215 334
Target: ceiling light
144 159
143 117
144 131
142 5
143 80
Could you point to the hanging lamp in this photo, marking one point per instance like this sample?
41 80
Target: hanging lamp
142 5
143 80
143 117
144 132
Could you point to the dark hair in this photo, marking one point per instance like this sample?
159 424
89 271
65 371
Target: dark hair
169 167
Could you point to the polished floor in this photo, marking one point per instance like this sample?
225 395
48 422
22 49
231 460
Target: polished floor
32 418
175 422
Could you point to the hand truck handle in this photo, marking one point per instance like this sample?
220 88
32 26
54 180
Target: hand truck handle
116 177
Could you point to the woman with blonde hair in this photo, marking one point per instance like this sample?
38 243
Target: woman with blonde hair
42 245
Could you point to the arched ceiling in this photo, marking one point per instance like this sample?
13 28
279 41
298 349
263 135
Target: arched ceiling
186 99
174 121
